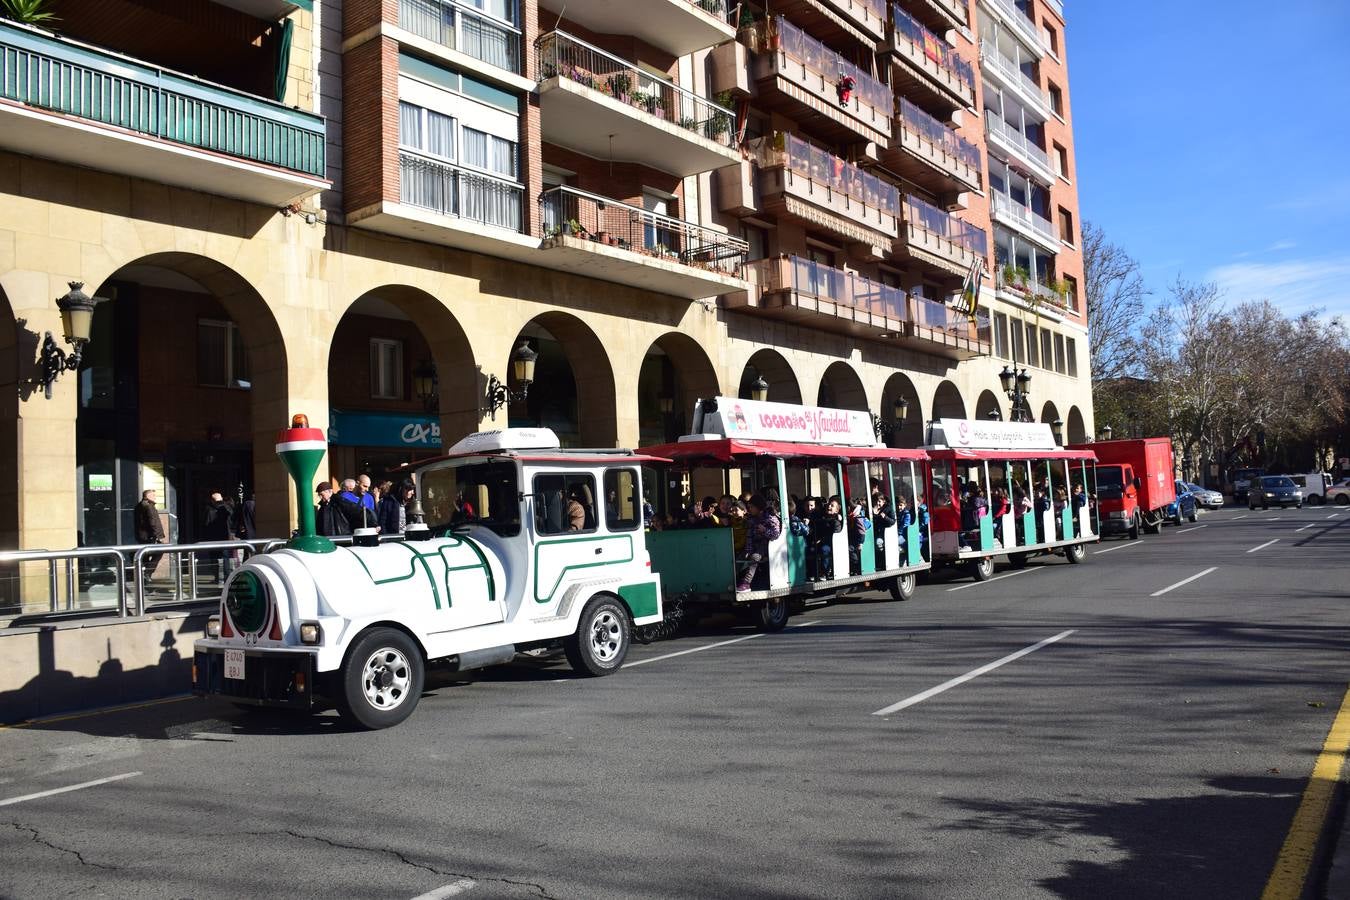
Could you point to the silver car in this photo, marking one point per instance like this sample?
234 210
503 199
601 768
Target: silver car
1205 497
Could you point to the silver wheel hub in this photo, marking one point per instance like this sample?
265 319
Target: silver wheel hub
386 678
606 635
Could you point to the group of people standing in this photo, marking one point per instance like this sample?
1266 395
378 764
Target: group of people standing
222 521
386 507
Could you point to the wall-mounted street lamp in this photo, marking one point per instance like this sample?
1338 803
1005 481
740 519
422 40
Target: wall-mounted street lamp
1057 429
1106 432
994 415
426 385
1017 385
522 370
759 389
77 314
885 430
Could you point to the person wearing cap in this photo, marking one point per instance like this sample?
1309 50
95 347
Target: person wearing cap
329 519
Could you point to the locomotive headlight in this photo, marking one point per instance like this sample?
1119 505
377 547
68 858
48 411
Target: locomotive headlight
310 633
213 627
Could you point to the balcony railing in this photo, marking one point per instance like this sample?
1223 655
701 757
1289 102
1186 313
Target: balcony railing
569 212
939 134
848 289
827 170
455 191
461 28
715 8
1011 136
1019 21
934 47
1019 281
810 53
52 73
930 218
940 317
561 55
991 57
1009 208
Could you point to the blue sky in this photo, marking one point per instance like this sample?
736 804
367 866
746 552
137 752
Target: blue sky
1213 141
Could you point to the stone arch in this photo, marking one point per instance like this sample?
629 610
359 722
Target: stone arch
676 369
1075 430
578 366
842 388
948 403
911 432
1049 412
783 384
986 404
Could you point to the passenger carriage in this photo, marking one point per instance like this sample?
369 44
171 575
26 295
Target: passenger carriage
968 457
779 451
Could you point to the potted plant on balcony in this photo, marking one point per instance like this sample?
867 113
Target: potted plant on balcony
746 32
572 226
29 12
620 84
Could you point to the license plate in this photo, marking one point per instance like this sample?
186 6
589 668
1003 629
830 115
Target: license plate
234 664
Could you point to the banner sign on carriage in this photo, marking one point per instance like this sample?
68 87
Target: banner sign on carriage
765 421
973 434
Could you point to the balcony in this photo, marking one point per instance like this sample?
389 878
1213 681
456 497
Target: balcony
802 78
937 239
926 64
1018 148
447 204
940 15
931 154
608 108
817 296
863 21
602 238
678 27
463 30
1018 23
268 10
798 180
1019 285
1025 222
65 100
1008 75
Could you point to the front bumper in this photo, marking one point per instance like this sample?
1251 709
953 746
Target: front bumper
271 678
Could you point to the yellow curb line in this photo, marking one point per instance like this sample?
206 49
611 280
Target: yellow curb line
1296 856
96 712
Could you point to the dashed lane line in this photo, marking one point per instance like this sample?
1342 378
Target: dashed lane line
962 587
1305 527
10 801
1183 582
453 889
1265 545
1117 547
1192 528
700 649
1243 516
972 674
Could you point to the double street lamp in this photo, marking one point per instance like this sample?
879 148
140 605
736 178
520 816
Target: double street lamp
1017 385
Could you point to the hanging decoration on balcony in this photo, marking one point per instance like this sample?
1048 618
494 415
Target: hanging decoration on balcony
844 88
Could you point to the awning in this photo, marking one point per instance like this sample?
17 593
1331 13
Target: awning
1014 455
727 449
838 224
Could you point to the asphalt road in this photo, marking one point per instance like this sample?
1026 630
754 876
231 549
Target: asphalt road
1158 747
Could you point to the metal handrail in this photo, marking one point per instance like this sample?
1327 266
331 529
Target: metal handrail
1019 22
54 556
991 55
1002 128
1024 216
936 133
932 46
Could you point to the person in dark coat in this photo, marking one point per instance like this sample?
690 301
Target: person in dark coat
216 527
149 529
246 520
389 512
329 519
353 506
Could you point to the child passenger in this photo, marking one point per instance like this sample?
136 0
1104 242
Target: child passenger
762 527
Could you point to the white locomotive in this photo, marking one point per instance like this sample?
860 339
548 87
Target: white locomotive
528 545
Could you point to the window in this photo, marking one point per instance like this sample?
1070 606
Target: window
1019 344
1032 357
1051 37
426 130
1061 161
1071 351
1073 292
564 503
386 369
483 494
1001 335
1066 226
1047 350
623 506
1056 99
489 152
221 360
758 239
1059 354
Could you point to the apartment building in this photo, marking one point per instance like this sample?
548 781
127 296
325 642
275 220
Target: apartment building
363 210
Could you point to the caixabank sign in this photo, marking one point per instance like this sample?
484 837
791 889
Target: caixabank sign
373 429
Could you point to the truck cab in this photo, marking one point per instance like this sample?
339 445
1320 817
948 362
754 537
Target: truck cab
1118 499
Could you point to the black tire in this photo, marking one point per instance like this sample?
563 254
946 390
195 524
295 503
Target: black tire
982 569
902 587
1343 499
772 614
1195 514
1176 520
604 633
1265 506
1075 553
1018 560
1154 527
381 679
1134 528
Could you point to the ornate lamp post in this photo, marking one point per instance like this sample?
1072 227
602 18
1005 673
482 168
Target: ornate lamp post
522 368
1017 386
77 314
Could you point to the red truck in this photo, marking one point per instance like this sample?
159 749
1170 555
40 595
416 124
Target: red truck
1136 482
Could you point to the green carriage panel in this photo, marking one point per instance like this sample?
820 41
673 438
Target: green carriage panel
913 549
702 560
986 533
1066 518
796 554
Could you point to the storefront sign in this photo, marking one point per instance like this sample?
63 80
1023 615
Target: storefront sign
100 482
973 434
765 421
372 429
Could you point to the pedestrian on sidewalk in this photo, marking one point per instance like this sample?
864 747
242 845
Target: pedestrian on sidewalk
149 529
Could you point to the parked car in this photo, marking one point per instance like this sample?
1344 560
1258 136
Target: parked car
1315 486
1274 490
1242 478
1185 506
1339 493
1204 496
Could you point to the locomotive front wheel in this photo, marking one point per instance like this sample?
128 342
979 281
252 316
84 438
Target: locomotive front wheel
902 587
381 679
772 615
602 638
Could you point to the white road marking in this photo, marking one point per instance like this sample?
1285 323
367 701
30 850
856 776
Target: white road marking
1117 547
962 587
972 674
1274 519
1184 581
74 787
1305 527
1333 515
1243 516
1265 545
452 889
643 662
1193 528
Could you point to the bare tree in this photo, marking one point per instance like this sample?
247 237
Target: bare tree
1114 292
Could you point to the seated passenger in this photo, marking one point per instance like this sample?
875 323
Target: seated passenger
762 527
576 510
828 522
859 524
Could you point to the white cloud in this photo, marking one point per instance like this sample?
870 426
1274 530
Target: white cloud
1282 244
1294 285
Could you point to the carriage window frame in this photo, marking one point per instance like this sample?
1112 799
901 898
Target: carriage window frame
616 523
568 479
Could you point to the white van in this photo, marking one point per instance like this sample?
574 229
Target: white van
1315 486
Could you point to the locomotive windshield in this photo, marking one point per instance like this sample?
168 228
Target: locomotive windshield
482 493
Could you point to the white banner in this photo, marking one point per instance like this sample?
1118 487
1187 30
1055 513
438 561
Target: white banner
973 434
766 421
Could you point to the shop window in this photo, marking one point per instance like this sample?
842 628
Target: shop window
623 506
221 359
386 369
564 503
